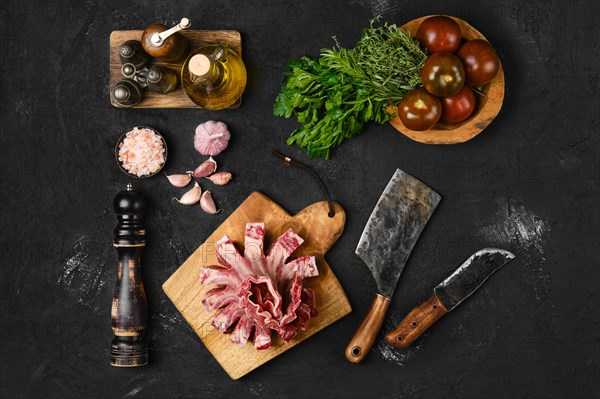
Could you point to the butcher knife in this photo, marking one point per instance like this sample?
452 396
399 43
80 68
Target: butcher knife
448 295
393 228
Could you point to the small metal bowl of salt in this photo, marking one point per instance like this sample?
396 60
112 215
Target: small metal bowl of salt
141 152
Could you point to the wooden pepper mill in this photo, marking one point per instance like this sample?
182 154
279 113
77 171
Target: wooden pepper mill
164 43
129 347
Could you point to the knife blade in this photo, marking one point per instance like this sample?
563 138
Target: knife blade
449 294
394 227
395 224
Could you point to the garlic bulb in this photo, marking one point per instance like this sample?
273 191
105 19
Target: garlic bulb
180 180
221 178
191 197
211 138
208 204
206 168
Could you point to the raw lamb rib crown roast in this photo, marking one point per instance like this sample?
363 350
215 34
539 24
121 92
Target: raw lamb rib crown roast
260 293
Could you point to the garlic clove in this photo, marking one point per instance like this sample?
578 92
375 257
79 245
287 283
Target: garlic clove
221 178
192 196
206 168
179 180
208 204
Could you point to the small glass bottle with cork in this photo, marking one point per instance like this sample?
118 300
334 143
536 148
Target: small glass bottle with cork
214 77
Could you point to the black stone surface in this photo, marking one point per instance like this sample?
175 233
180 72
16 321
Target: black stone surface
529 184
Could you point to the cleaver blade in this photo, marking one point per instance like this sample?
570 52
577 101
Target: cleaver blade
394 227
392 230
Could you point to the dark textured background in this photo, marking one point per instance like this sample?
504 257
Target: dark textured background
529 184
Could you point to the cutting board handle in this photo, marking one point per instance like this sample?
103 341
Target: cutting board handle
416 323
363 339
289 161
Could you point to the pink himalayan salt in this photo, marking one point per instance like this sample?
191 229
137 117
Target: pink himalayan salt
142 152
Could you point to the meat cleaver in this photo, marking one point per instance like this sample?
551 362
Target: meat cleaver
385 245
448 295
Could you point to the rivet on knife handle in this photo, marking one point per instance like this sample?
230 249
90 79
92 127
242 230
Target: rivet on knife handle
416 323
362 341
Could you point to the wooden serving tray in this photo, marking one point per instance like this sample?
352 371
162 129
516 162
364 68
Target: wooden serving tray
177 98
319 231
489 102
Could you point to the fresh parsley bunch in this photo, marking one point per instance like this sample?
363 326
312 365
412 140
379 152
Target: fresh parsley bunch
335 95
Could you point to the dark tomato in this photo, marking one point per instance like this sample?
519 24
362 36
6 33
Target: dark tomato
443 74
439 34
419 110
480 60
458 107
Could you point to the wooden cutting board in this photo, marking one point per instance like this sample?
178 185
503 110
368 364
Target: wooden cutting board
177 98
319 231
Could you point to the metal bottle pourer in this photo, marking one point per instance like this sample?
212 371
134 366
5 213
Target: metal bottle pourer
158 38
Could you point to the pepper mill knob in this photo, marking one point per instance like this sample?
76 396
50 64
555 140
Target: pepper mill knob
129 207
129 203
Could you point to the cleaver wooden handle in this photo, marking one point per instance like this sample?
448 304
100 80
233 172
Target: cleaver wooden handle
363 339
416 323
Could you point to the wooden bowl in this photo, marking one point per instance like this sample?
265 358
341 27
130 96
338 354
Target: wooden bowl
489 102
121 165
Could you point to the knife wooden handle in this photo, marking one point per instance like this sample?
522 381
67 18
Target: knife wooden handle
364 337
416 323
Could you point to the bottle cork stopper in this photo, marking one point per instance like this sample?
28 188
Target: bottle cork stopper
200 65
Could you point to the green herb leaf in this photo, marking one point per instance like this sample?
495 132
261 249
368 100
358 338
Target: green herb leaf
334 95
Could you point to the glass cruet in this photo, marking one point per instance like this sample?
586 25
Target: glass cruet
214 76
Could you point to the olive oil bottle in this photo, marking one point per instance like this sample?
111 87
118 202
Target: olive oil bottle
214 77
